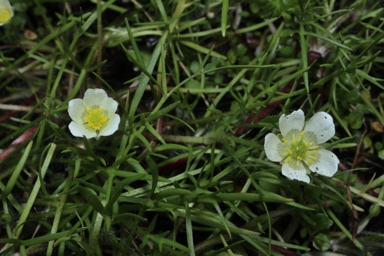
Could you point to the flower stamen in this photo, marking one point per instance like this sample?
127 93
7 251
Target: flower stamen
5 15
95 118
299 150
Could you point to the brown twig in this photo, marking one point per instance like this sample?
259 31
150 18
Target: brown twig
25 103
17 142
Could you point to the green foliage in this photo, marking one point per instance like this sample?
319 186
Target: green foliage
186 172
275 8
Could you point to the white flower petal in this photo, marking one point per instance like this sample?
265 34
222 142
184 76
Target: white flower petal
111 127
76 109
109 105
93 97
294 121
295 174
7 12
326 164
321 125
78 130
272 144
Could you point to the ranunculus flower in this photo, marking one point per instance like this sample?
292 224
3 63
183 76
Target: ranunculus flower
6 12
299 148
93 116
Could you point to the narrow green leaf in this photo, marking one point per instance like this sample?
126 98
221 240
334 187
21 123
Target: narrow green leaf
32 197
15 175
118 188
144 81
224 16
156 115
172 192
304 55
249 197
161 241
92 199
189 228
326 39
134 44
370 78
154 170
155 133
202 49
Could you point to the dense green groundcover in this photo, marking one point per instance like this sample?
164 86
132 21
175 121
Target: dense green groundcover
199 84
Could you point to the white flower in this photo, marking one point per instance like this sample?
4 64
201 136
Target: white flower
6 12
299 149
93 116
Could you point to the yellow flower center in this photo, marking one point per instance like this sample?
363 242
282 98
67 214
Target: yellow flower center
95 118
5 15
299 148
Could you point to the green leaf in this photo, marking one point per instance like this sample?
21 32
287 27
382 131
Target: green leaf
92 199
162 241
276 8
321 222
156 115
355 119
118 188
12 181
144 81
172 192
381 154
249 197
321 242
224 17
